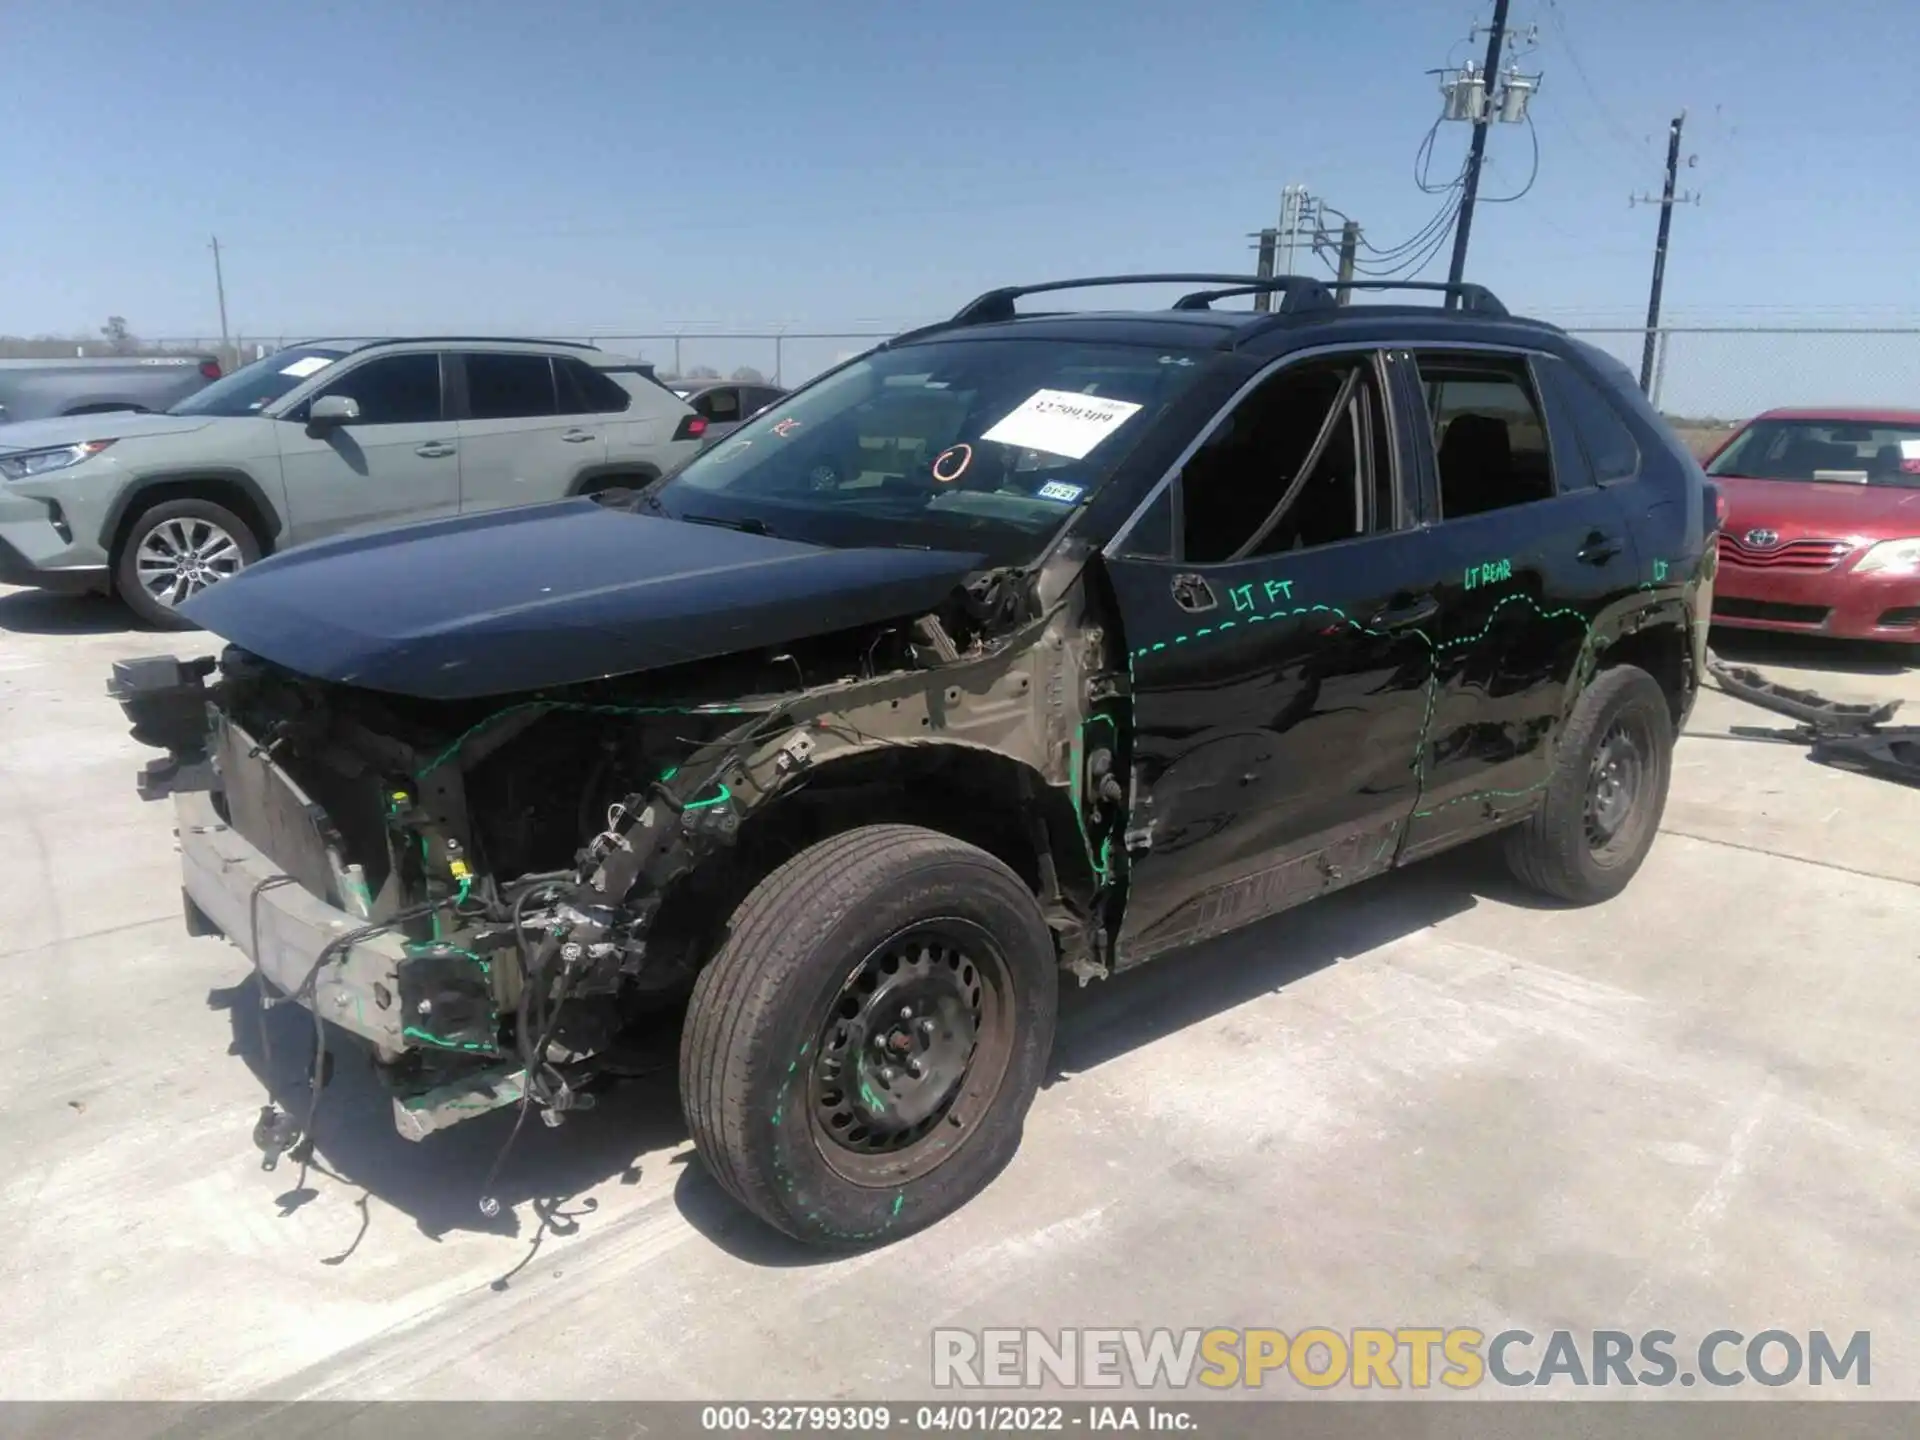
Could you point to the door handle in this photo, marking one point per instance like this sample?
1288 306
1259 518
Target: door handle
1192 594
1400 617
433 450
577 437
1599 549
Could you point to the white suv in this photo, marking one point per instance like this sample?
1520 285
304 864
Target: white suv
320 438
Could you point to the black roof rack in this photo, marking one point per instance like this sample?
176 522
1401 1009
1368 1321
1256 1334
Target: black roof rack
368 341
1302 293
1471 297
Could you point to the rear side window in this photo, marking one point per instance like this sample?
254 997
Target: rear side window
1488 436
1610 447
720 406
585 391
510 387
393 390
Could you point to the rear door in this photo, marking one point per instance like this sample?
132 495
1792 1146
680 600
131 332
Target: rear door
1275 599
517 446
1536 552
399 462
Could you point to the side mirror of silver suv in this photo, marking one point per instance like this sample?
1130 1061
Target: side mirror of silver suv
331 410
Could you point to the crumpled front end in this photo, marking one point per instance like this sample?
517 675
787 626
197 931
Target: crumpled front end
487 894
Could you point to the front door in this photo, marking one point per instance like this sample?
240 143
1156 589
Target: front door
1275 610
518 444
1535 553
398 462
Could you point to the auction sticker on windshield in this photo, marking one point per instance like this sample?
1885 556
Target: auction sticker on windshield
307 365
1062 423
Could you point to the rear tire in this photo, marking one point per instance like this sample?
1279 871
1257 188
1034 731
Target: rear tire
1606 795
859 1058
175 550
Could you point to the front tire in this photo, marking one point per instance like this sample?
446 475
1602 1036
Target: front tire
859 1058
174 551
1606 795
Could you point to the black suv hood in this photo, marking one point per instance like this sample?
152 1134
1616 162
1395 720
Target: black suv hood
545 595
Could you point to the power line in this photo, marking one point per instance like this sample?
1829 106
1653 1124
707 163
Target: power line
1617 131
1532 175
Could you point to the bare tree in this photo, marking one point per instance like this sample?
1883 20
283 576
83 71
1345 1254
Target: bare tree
118 335
747 375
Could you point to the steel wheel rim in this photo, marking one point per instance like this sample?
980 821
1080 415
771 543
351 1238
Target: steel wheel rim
179 558
1616 785
936 996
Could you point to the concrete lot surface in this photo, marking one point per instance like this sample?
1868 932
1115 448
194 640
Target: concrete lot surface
1428 1101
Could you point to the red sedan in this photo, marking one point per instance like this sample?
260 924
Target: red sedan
1821 524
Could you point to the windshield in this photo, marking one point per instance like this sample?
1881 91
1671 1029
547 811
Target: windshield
251 388
1842 452
976 445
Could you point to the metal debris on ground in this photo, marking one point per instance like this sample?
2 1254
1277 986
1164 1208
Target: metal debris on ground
1846 736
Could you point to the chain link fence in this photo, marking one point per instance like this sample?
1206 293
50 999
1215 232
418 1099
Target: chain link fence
1725 374
1705 377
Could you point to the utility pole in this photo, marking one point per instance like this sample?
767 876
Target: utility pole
1668 199
220 285
1463 227
1263 269
1349 253
1293 205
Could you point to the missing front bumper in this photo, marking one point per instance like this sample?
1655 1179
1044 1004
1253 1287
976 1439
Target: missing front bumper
283 928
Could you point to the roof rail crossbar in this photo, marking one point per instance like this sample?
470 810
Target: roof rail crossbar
997 305
1471 297
367 342
1300 292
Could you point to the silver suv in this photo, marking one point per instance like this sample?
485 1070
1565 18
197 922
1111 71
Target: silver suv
320 438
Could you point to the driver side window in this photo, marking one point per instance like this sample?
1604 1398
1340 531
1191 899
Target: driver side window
390 390
1301 462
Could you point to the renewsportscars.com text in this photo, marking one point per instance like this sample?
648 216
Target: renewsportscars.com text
1401 1357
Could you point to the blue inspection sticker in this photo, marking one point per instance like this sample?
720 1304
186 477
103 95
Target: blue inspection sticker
1065 494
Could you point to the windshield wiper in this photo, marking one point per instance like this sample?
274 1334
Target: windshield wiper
748 526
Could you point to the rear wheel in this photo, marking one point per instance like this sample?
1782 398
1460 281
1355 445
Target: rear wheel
860 1056
176 550
1606 795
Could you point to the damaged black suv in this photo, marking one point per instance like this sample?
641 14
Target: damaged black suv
1022 644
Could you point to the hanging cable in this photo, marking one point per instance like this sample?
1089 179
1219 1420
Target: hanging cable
1415 254
1532 175
1423 164
1439 220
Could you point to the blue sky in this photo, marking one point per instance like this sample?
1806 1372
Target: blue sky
624 167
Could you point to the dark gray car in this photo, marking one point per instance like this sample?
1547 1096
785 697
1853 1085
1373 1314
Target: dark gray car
725 404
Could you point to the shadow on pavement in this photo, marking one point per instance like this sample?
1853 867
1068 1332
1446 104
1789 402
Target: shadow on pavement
42 612
1109 1018
1812 652
438 1182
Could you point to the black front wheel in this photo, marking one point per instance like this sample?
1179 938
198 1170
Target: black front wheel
860 1056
